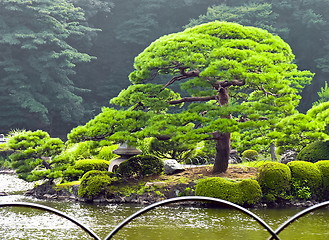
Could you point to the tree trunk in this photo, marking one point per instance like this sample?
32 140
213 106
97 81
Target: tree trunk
223 148
273 150
223 140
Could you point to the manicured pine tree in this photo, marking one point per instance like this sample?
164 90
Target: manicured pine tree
224 77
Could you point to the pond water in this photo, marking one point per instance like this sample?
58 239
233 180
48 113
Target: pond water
165 223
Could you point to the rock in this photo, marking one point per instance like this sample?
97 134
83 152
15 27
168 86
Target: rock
48 190
171 166
234 157
288 156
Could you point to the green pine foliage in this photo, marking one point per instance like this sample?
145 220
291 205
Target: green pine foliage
34 155
299 130
323 94
256 66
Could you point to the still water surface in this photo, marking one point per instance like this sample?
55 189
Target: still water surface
165 223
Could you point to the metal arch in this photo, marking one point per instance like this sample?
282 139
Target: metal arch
192 198
168 201
299 215
52 210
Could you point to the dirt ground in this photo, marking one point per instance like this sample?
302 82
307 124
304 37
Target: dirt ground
191 174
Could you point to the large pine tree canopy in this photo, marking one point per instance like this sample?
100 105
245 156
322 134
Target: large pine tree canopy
226 71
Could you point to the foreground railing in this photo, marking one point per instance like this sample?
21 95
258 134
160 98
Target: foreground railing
274 233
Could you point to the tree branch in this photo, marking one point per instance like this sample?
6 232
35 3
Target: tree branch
224 84
267 92
184 75
192 99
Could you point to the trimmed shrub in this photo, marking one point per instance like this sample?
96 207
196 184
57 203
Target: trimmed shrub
251 191
314 152
140 166
249 155
275 180
323 166
91 164
244 192
306 179
95 183
80 167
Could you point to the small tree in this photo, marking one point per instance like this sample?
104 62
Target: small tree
34 154
298 130
227 72
323 94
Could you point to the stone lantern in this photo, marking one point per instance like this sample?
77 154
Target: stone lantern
125 151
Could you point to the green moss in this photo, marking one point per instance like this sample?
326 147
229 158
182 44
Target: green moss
244 192
305 177
275 180
68 184
95 183
91 164
314 152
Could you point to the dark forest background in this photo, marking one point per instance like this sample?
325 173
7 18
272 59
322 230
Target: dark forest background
61 61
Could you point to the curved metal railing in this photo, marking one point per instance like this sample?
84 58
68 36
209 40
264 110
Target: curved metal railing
273 233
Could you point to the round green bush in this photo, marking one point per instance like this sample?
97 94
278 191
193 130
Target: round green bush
275 180
306 178
323 166
314 152
244 192
140 166
250 155
91 164
95 183
251 191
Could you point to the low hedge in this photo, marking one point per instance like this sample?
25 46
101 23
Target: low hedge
244 192
306 179
323 166
275 180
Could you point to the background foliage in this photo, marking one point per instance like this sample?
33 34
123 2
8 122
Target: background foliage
44 42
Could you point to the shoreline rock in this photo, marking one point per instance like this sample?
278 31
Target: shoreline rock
7 171
47 191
